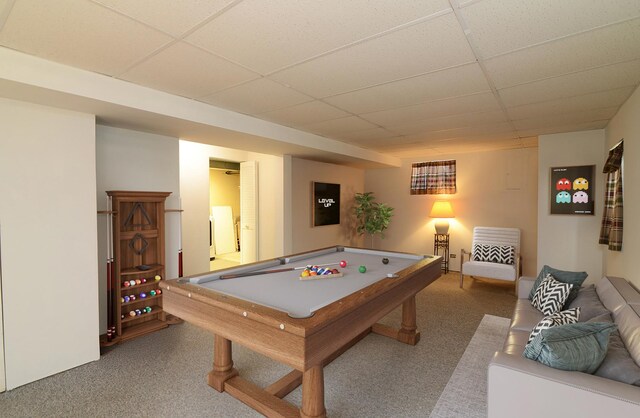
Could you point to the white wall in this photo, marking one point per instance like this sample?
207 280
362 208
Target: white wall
194 186
49 251
626 124
495 188
132 160
305 236
570 242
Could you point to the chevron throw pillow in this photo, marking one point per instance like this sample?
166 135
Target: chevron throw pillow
503 254
550 295
570 316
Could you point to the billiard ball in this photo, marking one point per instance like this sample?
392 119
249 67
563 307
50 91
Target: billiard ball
335 271
132 298
362 269
138 312
132 282
138 281
126 299
143 295
385 261
158 278
132 313
152 293
343 264
121 300
159 292
126 284
144 281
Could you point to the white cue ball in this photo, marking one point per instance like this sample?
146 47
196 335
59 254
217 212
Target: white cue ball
281 326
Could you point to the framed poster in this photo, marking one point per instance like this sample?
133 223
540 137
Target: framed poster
572 190
326 204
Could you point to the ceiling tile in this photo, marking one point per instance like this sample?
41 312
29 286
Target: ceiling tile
604 99
79 33
304 114
172 16
418 49
339 126
573 127
492 129
269 35
598 79
565 119
451 122
460 81
412 114
188 71
366 135
526 23
257 96
608 45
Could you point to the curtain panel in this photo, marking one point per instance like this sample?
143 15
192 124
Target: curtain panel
611 228
434 177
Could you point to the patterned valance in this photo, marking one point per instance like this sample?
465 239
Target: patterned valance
434 177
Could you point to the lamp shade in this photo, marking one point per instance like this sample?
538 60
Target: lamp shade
441 209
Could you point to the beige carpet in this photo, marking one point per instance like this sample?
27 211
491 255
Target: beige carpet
465 395
164 374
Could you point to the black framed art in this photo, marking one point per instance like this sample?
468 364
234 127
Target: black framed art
572 190
326 204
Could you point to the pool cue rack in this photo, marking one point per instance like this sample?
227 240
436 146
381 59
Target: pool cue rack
138 240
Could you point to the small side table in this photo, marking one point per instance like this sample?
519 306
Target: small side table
441 244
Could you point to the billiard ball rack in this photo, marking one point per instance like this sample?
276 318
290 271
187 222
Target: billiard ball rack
138 252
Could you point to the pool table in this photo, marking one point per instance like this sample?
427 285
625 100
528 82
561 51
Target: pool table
302 323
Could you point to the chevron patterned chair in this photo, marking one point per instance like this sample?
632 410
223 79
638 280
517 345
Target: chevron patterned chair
495 254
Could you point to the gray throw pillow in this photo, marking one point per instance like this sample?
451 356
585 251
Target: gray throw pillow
575 347
618 364
576 278
589 304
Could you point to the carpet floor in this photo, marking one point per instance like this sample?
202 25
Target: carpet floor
465 395
164 374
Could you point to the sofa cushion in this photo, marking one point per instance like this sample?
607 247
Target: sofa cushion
550 295
525 316
618 364
484 269
569 316
573 277
575 347
628 321
589 303
503 254
515 342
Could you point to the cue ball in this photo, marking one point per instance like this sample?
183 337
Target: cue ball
362 269
343 264
385 261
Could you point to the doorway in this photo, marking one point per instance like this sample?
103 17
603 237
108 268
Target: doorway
224 214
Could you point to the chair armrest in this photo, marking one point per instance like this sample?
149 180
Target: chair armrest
560 393
524 286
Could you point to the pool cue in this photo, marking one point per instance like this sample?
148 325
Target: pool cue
256 273
109 278
180 238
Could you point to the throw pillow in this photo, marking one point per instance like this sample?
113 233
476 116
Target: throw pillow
570 316
589 303
577 347
503 254
550 295
573 277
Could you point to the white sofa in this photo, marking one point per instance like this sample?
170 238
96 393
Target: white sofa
519 387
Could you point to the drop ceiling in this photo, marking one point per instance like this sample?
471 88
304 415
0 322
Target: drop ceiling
399 77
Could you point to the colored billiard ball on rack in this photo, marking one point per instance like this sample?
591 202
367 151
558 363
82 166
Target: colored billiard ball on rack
385 260
144 281
362 269
152 293
158 278
126 299
132 282
126 284
143 295
159 292
138 281
132 313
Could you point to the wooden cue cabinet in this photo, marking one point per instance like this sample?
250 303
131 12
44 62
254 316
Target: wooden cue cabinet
138 240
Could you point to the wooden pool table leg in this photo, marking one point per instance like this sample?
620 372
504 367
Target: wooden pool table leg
408 333
313 393
222 364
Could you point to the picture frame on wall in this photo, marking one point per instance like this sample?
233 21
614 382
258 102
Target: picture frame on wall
325 204
572 190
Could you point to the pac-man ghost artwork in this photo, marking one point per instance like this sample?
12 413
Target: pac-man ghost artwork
580 197
580 184
563 197
563 184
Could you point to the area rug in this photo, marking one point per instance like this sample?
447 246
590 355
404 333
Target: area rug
466 392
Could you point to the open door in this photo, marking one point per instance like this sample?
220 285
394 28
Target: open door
248 212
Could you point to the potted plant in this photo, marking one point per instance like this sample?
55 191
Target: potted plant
372 217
